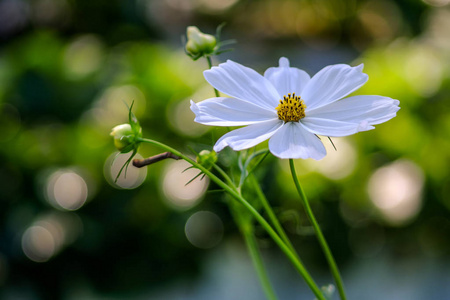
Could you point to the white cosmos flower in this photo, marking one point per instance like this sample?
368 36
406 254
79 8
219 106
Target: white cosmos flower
290 108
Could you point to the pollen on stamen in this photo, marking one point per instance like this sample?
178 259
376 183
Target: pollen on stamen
291 108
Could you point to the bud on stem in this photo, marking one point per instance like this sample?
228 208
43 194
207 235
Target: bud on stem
199 43
123 136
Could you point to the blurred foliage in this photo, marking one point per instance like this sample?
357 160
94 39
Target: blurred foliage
67 68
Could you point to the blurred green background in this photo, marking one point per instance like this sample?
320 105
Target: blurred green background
67 68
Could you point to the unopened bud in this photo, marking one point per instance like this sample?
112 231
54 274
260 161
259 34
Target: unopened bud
123 136
199 43
207 158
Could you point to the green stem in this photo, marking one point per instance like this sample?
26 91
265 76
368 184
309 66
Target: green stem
247 232
252 246
264 155
287 251
272 217
245 224
224 175
208 59
321 238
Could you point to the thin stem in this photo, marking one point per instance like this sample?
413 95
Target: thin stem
321 238
252 246
250 241
224 175
287 251
244 172
246 227
265 153
208 59
272 217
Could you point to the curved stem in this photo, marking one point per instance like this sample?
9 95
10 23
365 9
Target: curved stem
208 59
250 240
265 203
320 237
264 155
272 217
233 193
224 175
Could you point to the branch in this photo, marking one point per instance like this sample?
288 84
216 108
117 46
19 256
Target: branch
139 163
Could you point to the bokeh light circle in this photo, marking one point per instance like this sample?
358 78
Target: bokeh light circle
49 234
66 189
181 118
38 244
204 229
130 178
83 56
396 191
338 163
177 192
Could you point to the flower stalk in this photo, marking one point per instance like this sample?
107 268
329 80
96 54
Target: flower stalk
208 59
252 246
247 230
245 223
272 217
320 237
237 196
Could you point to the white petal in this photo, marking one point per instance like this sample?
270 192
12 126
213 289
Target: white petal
287 80
331 127
293 141
247 137
229 112
243 83
332 83
366 109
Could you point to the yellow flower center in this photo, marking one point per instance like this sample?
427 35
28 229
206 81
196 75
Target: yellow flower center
291 108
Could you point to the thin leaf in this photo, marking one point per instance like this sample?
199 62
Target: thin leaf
332 144
188 168
125 165
227 42
223 51
133 120
128 148
259 161
196 176
219 30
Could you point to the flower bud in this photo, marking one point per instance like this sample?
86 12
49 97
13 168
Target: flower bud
199 43
123 136
207 158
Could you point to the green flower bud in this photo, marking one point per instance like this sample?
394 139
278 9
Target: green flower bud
207 158
199 43
123 136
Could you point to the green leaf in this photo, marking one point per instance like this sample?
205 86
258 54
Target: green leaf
125 165
133 120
